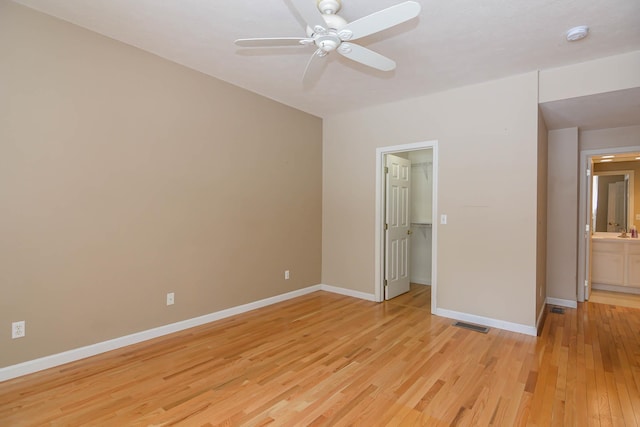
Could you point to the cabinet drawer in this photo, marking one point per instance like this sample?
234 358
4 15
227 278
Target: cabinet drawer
607 246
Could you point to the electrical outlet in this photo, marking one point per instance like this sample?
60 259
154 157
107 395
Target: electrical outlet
286 275
17 329
171 298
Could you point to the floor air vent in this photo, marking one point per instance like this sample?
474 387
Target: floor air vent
471 327
558 310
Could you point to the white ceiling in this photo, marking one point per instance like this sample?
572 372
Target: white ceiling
452 43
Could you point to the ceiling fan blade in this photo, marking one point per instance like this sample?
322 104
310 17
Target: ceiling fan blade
314 68
378 21
366 56
273 41
308 10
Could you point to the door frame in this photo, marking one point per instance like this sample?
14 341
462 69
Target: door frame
379 215
584 241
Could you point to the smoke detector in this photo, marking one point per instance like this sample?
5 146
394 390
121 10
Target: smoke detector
577 33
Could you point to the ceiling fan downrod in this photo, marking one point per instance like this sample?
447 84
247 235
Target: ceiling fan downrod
329 7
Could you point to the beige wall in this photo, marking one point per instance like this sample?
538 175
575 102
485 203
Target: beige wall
562 214
542 205
487 185
628 136
124 176
609 74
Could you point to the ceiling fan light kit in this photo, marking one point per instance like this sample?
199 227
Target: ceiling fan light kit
329 32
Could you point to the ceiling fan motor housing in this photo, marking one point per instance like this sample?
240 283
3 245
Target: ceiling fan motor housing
329 7
334 22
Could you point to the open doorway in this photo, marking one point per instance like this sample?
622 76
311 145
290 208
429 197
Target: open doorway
609 258
420 248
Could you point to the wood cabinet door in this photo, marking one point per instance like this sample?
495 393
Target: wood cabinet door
607 268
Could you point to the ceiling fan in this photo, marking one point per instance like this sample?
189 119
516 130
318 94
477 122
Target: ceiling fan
328 32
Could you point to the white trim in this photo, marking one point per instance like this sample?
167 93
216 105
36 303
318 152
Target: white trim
379 220
562 302
487 321
348 292
102 347
434 229
58 359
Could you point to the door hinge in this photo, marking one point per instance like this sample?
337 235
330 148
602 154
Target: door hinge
586 228
586 283
386 226
588 172
385 283
386 169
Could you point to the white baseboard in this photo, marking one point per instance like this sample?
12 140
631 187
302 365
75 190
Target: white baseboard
54 360
426 282
562 302
348 292
487 321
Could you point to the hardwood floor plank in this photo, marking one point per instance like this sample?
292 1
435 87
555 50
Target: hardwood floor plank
327 359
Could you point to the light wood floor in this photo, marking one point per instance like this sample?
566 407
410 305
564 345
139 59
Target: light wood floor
327 359
615 298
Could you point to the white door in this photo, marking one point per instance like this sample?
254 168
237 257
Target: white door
397 225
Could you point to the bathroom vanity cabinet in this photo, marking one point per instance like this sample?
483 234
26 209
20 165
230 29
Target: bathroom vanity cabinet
615 261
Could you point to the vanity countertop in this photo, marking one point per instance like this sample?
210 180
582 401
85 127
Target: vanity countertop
614 237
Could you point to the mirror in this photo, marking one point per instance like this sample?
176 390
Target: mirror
612 203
